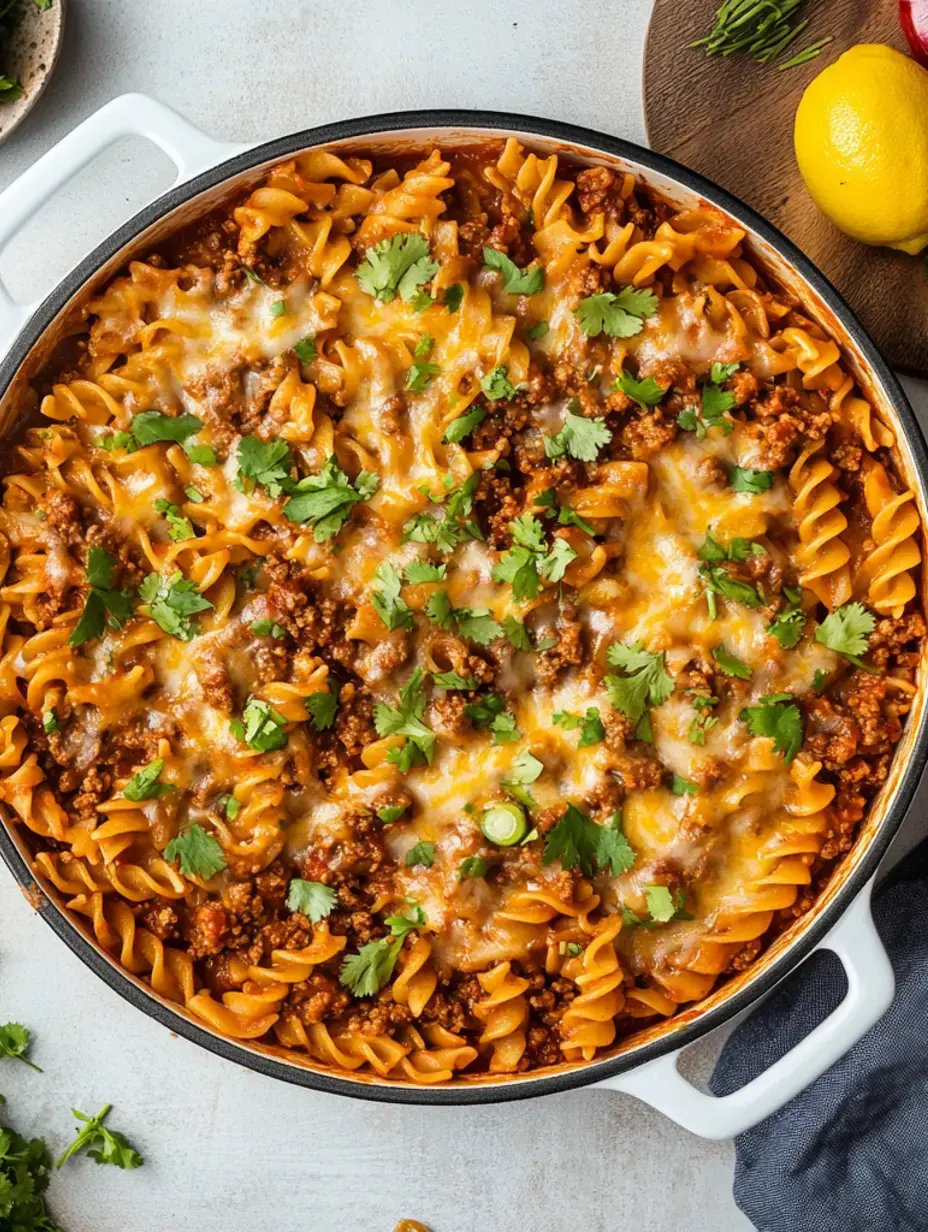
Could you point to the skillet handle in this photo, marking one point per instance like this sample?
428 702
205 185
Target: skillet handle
190 150
871 986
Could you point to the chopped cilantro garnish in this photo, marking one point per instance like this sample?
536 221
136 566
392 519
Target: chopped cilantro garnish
618 315
151 427
472 866
496 385
730 665
306 349
646 683
453 296
779 718
144 783
261 727
103 605
647 393
538 330
366 972
754 482
399 265
579 438
683 787
179 527
325 500
197 852
264 463
579 842
312 898
424 571
405 719
789 622
321 708
421 855
520 282
391 813
847 631
517 633
720 582
102 1145
464 425
420 375
547 500
389 605
452 680
590 724
172 601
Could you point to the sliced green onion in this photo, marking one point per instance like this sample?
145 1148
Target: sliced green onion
504 824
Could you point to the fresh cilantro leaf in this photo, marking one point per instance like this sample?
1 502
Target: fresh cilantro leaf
496 385
321 708
422 855
720 582
554 565
716 402
438 610
197 852
683 787
527 768
425 571
202 455
519 567
730 665
101 568
102 1145
579 842
306 351
144 783
405 719
485 709
14 1040
619 316
92 621
719 373
566 516
119 440
325 500
452 680
391 813
847 631
150 427
230 806
520 282
366 972
738 549
179 527
453 296
400 264
754 482
592 730
279 308
50 721
264 463
420 375
194 494
538 330
819 680
504 730
253 275
472 866
779 718
268 628
788 624
172 601
312 898
477 625
646 682
646 393
464 425
579 438
261 727
392 609
517 633
661 905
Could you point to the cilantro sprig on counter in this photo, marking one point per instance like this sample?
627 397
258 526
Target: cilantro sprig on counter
105 1146
14 1043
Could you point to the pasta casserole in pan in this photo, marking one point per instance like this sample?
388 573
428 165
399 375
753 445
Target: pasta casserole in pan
456 611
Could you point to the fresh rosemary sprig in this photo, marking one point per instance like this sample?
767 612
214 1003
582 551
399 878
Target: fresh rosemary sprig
759 29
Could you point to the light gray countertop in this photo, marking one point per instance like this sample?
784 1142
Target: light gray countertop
227 1150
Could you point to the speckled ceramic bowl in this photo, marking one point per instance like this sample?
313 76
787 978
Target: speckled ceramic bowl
32 57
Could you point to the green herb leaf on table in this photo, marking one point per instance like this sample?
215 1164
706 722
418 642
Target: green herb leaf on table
14 1042
102 1145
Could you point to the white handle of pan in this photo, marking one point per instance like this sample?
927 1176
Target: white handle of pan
870 990
190 150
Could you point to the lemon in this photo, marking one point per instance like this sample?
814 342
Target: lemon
861 141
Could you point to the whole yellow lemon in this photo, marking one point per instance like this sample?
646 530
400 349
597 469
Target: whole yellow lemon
861 141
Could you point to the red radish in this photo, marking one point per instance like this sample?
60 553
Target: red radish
913 17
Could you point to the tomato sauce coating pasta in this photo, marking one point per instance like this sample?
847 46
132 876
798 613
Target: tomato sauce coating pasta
454 612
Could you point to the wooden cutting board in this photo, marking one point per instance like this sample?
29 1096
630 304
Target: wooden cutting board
732 121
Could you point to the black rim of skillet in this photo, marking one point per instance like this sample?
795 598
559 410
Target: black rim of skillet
595 1071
